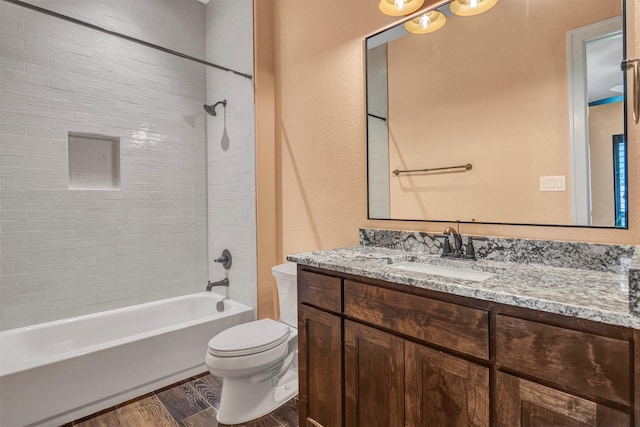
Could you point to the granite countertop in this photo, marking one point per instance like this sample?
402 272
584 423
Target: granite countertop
594 295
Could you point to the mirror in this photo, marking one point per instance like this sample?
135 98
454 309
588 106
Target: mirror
529 95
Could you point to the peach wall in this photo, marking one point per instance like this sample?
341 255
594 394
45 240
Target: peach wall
320 132
497 99
266 206
604 122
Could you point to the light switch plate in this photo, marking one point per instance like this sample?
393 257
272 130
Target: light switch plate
552 183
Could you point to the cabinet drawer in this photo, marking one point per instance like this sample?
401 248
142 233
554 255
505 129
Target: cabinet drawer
522 403
320 291
589 364
459 328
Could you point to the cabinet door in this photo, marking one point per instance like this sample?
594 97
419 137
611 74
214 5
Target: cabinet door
319 367
593 365
522 403
374 377
444 390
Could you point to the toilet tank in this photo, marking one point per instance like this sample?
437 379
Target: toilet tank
286 279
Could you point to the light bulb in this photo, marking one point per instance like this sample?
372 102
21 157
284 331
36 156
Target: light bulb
399 7
425 21
471 7
399 4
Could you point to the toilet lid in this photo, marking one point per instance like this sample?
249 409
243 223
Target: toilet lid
249 338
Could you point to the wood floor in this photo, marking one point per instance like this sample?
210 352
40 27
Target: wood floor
189 403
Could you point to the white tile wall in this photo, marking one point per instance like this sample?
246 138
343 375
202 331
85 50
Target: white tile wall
231 173
69 252
175 24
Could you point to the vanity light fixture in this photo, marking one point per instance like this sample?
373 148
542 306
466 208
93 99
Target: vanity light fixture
399 7
471 7
426 23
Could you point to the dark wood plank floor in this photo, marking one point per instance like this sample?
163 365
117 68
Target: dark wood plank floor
189 403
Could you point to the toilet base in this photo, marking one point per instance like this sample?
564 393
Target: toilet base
244 399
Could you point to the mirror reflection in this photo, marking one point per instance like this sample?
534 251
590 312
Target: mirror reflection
529 93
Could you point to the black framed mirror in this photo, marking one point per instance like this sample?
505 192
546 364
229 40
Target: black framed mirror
513 116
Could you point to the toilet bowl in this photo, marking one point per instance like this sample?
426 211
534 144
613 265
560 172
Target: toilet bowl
258 361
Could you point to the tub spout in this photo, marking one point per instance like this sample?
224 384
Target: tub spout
224 282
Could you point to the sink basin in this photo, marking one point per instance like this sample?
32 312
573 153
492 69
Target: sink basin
439 270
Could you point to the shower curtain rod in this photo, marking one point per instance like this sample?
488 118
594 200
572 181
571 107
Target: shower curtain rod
124 36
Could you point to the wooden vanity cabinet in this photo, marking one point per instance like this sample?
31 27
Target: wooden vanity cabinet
420 386
320 342
374 353
374 377
320 367
353 374
390 381
569 374
588 363
522 403
443 390
456 327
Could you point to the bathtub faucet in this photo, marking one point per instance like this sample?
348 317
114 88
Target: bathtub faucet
224 282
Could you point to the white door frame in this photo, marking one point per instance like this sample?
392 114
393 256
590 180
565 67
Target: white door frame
578 113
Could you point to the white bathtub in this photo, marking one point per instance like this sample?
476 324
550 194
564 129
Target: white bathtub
59 371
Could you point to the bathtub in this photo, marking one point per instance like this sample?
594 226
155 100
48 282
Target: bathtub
59 371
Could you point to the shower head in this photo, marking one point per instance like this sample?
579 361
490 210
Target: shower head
211 109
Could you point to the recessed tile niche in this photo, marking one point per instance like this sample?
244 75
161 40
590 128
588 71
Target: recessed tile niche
94 162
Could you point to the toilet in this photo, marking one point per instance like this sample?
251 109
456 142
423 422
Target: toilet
258 361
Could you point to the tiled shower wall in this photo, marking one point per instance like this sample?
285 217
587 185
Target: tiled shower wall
231 179
174 24
68 252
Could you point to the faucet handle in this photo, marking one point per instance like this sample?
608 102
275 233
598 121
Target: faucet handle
446 247
470 252
225 259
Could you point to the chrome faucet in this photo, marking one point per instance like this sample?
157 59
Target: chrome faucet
224 282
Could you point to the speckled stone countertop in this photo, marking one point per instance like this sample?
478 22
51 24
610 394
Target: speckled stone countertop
594 295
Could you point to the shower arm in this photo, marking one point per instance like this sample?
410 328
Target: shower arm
223 102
